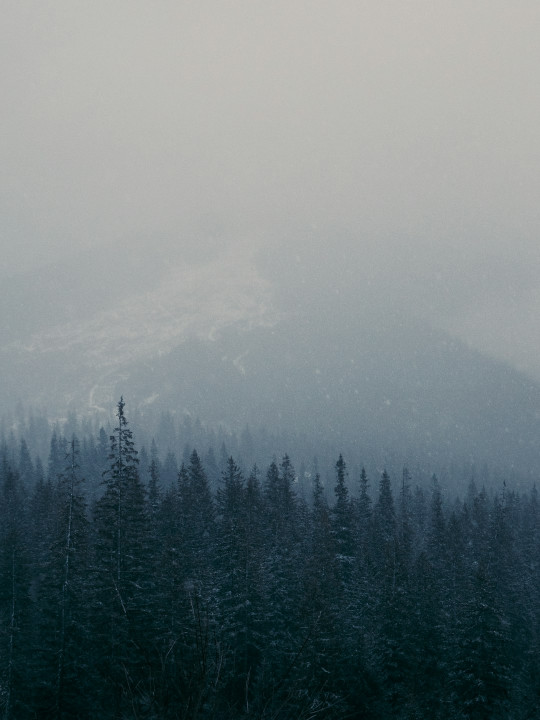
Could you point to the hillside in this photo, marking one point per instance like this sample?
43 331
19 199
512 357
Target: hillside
206 342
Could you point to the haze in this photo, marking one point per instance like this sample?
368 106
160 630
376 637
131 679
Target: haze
390 147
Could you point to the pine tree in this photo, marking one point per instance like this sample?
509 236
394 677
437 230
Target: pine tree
284 627
72 528
342 518
481 674
322 598
16 662
384 537
154 486
198 512
42 511
57 453
26 468
405 521
123 573
390 609
170 577
197 609
363 512
63 619
232 576
429 597
254 511
436 526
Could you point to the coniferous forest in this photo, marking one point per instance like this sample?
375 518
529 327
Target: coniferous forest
144 597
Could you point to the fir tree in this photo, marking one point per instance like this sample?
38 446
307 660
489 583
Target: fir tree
17 667
342 519
63 618
123 573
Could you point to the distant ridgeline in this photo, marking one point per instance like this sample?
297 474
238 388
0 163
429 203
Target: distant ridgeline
134 586
385 396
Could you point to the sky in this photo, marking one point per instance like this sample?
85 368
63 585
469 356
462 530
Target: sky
393 143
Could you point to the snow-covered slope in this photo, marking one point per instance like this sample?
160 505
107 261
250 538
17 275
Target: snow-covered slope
189 301
79 360
207 340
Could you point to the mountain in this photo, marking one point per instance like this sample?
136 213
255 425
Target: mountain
402 392
209 342
68 344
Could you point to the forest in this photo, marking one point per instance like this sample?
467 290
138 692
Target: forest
125 593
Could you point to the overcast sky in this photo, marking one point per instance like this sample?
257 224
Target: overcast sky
400 138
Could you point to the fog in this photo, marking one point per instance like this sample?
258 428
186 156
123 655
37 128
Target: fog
389 150
269 359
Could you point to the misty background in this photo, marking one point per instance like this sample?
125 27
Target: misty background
359 169
292 246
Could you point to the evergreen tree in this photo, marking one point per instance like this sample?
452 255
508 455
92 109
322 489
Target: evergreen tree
405 521
390 611
42 512
342 518
198 673
254 512
212 469
170 578
284 627
26 468
63 618
436 527
57 453
16 662
429 599
384 536
481 674
363 512
322 598
154 486
123 578
233 578
198 510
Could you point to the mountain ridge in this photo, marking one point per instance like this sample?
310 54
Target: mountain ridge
211 342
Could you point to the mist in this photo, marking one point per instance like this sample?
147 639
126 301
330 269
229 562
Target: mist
375 160
269 359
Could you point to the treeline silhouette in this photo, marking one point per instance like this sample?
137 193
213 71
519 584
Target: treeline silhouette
156 600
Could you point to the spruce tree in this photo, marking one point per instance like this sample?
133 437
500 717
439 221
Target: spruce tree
232 579
123 628
63 617
18 670
342 518
481 673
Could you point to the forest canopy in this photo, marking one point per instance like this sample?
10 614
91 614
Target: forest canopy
133 586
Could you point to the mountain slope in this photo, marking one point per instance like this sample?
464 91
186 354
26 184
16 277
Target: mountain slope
404 390
204 341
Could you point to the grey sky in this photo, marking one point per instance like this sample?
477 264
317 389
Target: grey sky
409 128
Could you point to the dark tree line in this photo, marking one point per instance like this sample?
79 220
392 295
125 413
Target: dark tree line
240 599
